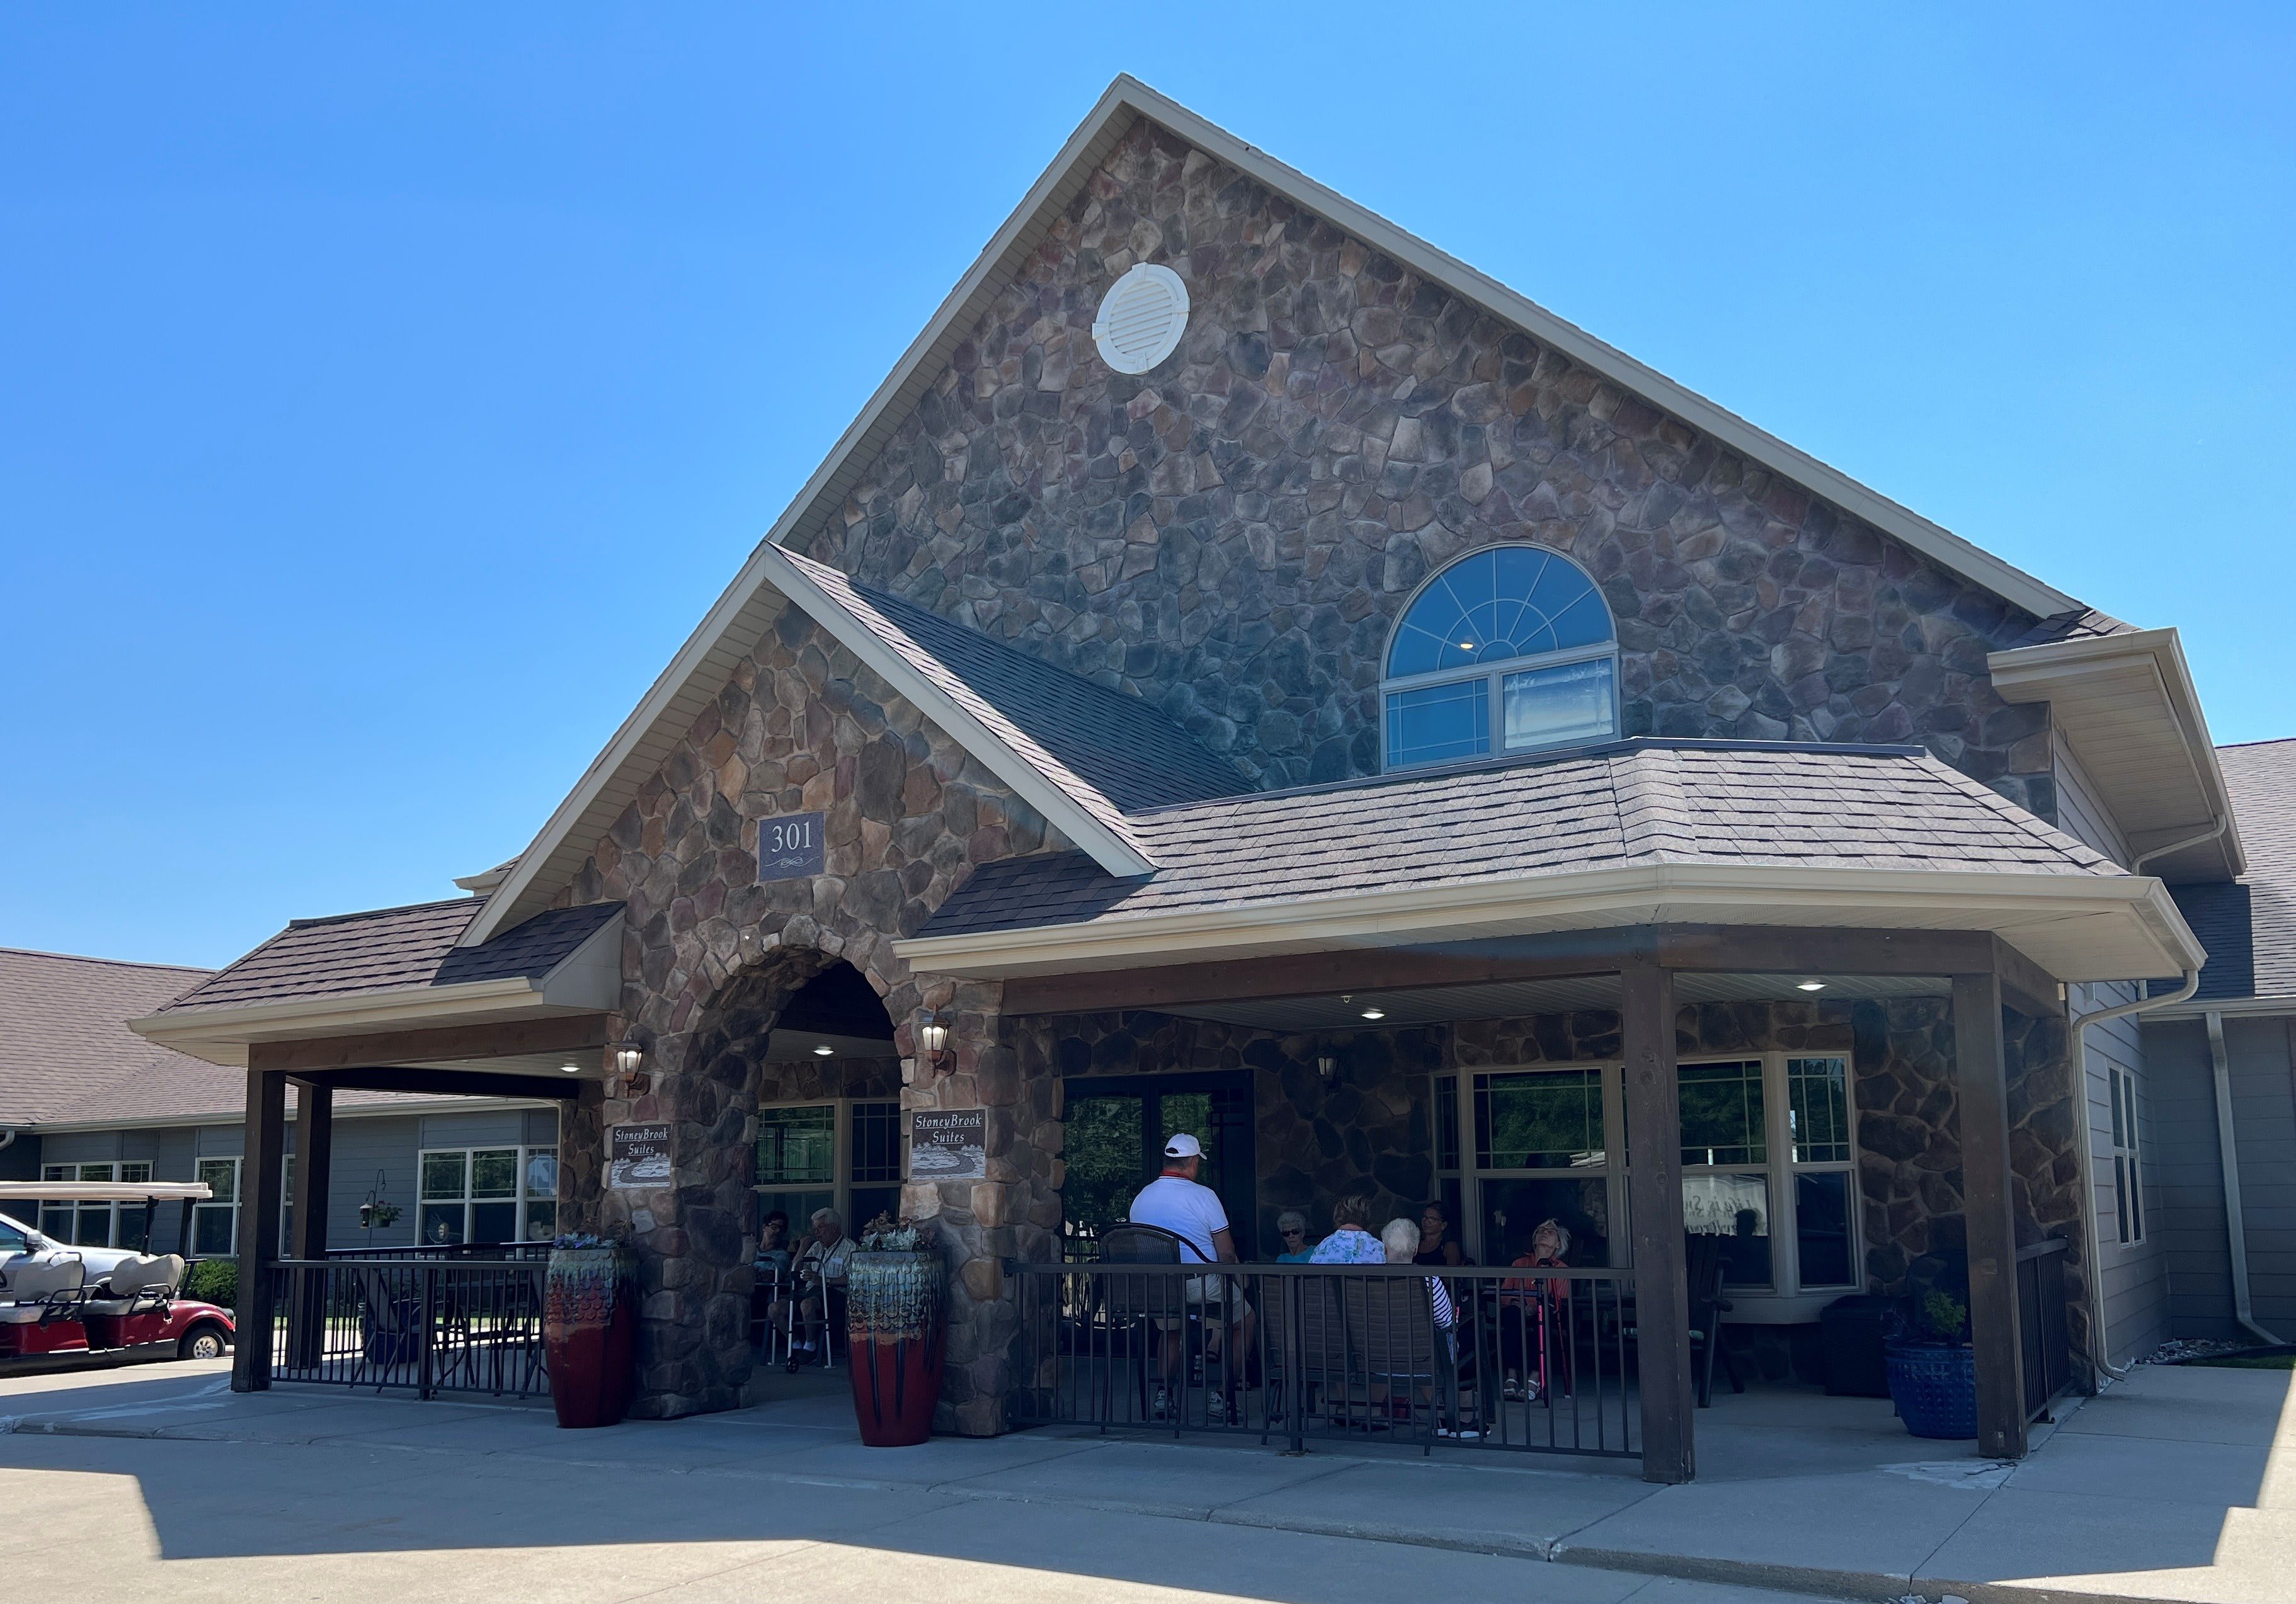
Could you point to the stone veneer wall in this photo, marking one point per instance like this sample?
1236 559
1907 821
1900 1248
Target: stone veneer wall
710 957
1231 536
1315 1143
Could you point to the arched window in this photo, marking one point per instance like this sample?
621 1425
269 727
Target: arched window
1508 650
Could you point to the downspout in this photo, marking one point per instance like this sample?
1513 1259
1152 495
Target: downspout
2228 1152
2191 984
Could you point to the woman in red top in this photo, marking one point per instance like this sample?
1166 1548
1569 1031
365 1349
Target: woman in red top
1535 1319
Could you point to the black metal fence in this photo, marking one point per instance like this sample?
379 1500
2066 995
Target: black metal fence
473 1324
2041 1324
521 1252
1539 1360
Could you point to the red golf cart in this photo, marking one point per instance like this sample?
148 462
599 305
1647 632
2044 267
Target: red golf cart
52 1308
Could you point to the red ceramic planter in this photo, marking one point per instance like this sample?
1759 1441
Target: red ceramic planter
895 1330
589 1333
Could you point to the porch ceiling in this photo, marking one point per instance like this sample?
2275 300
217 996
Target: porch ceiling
1515 999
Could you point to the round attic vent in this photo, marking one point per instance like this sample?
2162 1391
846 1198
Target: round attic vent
1142 319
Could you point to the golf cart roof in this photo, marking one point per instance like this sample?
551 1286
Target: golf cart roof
105 1192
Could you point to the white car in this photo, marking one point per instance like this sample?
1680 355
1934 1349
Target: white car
19 1240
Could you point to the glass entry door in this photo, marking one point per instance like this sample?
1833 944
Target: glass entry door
1116 1127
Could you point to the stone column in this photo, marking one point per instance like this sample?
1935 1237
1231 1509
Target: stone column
1015 1213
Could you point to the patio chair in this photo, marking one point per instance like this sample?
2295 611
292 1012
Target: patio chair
1147 1310
1399 1351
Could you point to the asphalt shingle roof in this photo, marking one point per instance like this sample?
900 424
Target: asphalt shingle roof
2249 925
1635 802
1113 753
2080 624
67 1055
391 949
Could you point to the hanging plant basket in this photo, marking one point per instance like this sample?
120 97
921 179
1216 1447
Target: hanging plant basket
589 1329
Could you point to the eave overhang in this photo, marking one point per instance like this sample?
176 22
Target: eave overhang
2127 707
2078 928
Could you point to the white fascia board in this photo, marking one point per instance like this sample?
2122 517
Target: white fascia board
2038 914
1126 98
2049 673
2231 1007
204 1032
1109 849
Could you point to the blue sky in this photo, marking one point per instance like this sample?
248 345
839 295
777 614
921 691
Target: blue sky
390 389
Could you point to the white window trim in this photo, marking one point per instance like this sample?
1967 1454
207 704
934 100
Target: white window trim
2125 1149
238 1173
519 1198
840 1189
1763 1303
79 1172
1495 673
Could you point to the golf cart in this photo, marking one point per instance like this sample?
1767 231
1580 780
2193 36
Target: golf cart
51 1306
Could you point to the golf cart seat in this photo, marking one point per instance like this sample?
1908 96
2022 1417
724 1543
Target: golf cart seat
39 1285
143 1282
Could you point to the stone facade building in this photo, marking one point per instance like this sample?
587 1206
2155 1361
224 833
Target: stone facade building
1073 707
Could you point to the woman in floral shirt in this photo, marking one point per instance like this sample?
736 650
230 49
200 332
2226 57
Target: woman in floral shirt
1351 1241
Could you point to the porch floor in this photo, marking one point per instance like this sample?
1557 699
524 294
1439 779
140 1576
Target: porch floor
2162 1488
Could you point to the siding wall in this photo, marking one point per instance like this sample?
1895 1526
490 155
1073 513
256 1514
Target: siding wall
2132 1279
2192 1215
2264 1121
366 1150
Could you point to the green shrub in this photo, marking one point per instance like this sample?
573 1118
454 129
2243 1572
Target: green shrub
214 1280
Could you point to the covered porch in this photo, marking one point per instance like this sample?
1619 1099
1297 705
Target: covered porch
1857 1110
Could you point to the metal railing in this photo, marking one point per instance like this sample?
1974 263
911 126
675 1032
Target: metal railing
2041 1324
430 1325
1538 1361
450 1251
793 1323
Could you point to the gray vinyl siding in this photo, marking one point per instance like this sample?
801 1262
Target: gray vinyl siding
2080 811
2264 1121
368 1154
2191 1178
494 1127
2133 1280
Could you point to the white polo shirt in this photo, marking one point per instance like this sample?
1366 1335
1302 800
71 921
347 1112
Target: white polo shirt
1187 1209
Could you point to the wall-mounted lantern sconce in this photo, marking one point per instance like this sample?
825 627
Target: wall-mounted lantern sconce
1328 1068
629 1060
932 1039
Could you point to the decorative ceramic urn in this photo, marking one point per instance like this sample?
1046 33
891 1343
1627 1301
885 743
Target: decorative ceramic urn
895 1328
589 1331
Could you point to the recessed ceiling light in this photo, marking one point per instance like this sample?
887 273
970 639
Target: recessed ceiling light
1374 1013
569 1069
824 1051
1811 985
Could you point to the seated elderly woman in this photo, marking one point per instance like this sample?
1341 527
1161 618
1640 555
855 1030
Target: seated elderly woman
1291 1226
1351 1241
1399 1242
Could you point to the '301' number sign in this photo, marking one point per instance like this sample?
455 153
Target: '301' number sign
789 847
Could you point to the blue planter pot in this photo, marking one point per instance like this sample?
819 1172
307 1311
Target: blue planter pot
1935 1389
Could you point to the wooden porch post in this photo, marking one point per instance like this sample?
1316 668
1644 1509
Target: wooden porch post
259 1226
1981 1070
1653 1103
315 1124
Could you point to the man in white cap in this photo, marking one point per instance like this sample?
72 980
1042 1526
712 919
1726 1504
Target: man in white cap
1177 1202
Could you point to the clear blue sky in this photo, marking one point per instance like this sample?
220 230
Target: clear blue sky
390 389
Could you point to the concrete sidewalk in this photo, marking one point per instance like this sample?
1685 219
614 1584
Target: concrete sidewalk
2173 1486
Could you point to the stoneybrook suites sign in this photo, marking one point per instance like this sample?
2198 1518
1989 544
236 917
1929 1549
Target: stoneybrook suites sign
789 847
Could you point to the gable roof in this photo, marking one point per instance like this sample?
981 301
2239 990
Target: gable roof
2249 925
1081 755
1586 839
1128 100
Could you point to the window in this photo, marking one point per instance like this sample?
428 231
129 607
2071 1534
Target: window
1509 649
2128 1179
215 1223
1767 1163
95 1224
495 1194
844 1155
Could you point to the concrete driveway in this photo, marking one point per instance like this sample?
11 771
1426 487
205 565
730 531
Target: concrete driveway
2175 1485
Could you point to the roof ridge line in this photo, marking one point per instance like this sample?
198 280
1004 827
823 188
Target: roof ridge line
195 969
